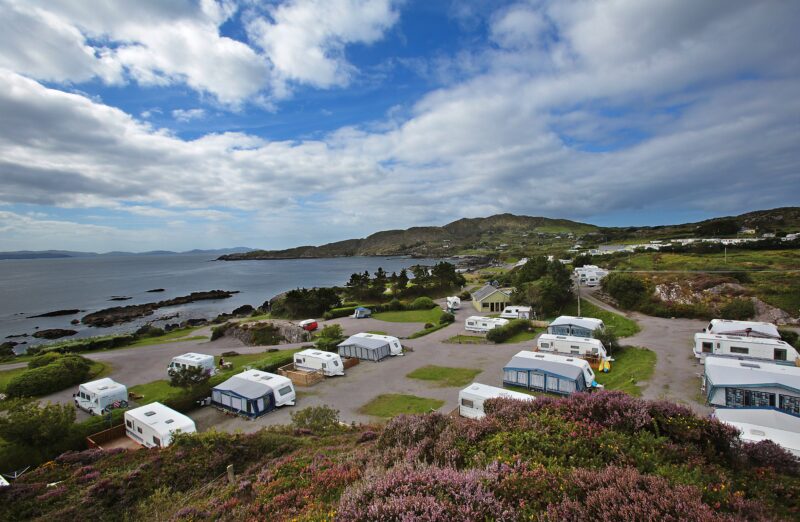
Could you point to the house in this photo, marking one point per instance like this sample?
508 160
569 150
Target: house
490 299
746 328
362 313
731 383
192 360
253 393
575 326
757 425
471 398
549 372
154 425
743 347
370 347
100 396
330 364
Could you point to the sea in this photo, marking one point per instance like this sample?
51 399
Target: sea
35 286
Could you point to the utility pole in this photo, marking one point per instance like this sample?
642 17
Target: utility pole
726 254
578 291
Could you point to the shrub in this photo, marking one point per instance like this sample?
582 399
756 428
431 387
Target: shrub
790 336
62 373
394 306
422 303
188 377
44 359
329 338
335 313
219 331
318 419
738 309
149 330
608 338
505 332
446 318
628 289
34 425
427 325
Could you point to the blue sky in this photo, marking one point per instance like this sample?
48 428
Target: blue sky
208 124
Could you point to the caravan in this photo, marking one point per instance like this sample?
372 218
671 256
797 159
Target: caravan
471 399
330 364
744 328
154 425
100 396
477 323
739 347
192 360
583 347
453 303
370 347
253 393
549 373
516 312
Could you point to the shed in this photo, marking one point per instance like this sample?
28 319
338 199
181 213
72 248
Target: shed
362 312
154 425
756 425
253 393
490 299
731 383
370 347
548 372
575 326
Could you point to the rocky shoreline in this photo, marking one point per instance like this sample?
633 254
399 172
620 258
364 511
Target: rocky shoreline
123 314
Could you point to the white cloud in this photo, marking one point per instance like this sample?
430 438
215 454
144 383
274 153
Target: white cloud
185 115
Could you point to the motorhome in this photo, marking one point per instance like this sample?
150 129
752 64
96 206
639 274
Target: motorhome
100 396
192 360
478 323
743 328
471 398
309 325
516 312
154 425
330 364
453 302
584 347
549 373
761 348
253 393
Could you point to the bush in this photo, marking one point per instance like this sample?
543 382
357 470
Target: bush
422 303
62 373
394 306
446 318
339 312
790 336
33 425
506 332
219 331
628 289
329 338
188 377
44 359
149 330
319 419
608 338
738 309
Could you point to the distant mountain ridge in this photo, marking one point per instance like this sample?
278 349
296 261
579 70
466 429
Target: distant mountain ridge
59 254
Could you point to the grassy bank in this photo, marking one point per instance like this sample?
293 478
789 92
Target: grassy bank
393 404
445 376
632 365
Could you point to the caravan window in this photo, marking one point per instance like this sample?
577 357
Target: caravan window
129 424
156 441
336 363
545 345
467 403
708 347
139 429
790 404
739 349
780 354
285 390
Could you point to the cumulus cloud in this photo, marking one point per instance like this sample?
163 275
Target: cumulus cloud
185 115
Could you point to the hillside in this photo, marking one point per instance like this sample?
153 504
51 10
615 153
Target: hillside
524 235
605 456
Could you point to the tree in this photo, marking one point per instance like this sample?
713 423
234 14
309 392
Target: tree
532 270
380 280
627 289
329 338
188 377
608 338
30 424
402 279
421 276
318 419
582 260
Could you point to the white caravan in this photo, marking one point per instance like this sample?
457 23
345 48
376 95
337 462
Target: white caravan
471 398
154 425
282 387
477 323
453 302
745 328
571 345
762 348
328 363
516 312
191 360
755 425
98 397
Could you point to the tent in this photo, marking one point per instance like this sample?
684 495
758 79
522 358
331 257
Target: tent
370 347
253 393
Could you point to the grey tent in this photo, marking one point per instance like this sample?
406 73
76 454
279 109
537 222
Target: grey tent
372 348
548 372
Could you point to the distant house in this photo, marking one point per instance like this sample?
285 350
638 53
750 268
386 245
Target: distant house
490 299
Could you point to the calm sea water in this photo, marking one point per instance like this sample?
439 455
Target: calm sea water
32 287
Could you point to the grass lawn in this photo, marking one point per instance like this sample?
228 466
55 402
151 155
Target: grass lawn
430 330
620 325
377 332
445 376
7 375
467 339
169 337
410 316
522 337
631 366
391 404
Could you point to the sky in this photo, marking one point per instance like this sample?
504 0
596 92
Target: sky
210 124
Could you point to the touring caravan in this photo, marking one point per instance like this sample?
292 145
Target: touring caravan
516 312
154 425
549 373
192 360
370 347
453 303
577 326
477 323
762 348
361 313
755 425
253 393
471 399
743 328
728 383
98 397
590 275
330 364
583 347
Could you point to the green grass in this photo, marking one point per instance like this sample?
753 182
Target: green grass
427 331
255 318
631 366
522 337
467 339
410 316
620 325
377 332
174 336
7 375
392 404
445 376
96 371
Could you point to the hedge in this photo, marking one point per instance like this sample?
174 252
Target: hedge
506 332
59 374
339 312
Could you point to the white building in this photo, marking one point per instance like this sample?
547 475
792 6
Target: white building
471 398
100 396
154 425
730 383
736 346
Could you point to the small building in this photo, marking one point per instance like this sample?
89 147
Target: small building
746 328
154 425
490 299
370 347
478 323
739 347
756 425
471 399
362 313
549 373
330 364
192 360
253 393
516 312
98 397
575 326
730 383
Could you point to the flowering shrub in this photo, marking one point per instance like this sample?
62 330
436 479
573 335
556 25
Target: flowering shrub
768 454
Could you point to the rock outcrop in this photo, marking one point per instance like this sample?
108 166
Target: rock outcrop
56 313
54 333
123 314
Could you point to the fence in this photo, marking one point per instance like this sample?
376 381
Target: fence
301 377
96 440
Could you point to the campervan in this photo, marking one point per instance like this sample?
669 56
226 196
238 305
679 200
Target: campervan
328 363
571 345
471 398
740 347
191 360
516 312
745 328
477 323
154 425
100 396
309 325
453 302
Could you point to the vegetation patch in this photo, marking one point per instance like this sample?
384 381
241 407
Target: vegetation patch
393 404
467 339
619 324
445 376
632 365
410 316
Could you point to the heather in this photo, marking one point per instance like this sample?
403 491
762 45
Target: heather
603 456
